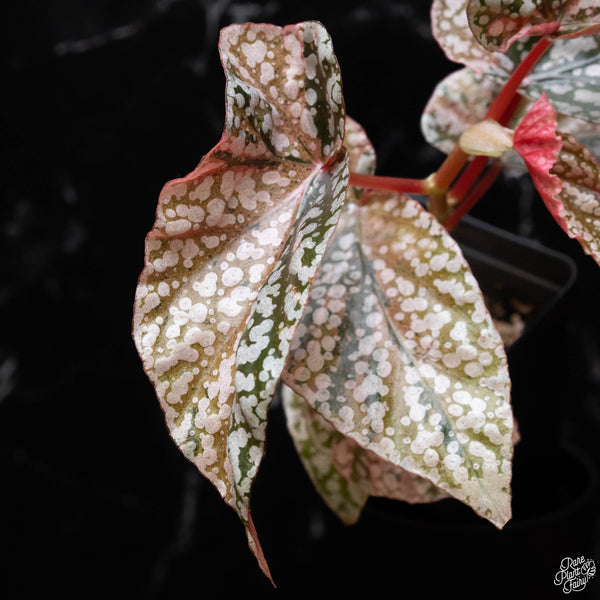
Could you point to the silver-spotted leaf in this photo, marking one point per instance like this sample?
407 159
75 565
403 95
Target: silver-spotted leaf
317 442
235 246
579 197
460 100
398 352
450 27
496 24
463 98
344 473
568 73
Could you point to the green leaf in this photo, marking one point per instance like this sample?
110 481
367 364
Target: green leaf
398 352
234 249
579 172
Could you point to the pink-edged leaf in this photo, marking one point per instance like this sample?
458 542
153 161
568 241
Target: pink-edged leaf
579 172
234 249
398 352
317 442
536 141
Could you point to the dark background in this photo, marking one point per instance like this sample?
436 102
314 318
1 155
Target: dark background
102 102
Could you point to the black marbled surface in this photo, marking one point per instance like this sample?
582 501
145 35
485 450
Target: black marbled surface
102 102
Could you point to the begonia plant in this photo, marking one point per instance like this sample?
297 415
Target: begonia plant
283 259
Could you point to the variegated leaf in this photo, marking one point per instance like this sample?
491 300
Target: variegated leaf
463 98
565 173
450 27
317 442
344 473
234 249
361 154
579 172
398 352
568 73
496 24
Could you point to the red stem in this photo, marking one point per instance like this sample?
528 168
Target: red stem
394 184
468 177
506 95
482 186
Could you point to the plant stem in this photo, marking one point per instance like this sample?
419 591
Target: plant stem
393 184
504 98
457 159
482 186
468 177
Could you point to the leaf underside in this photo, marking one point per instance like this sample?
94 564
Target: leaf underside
234 249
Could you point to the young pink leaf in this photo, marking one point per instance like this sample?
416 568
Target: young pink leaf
397 351
235 247
536 141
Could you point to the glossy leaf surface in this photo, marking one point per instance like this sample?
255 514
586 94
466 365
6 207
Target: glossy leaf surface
234 249
398 352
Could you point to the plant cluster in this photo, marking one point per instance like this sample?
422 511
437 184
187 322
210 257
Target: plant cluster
283 258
